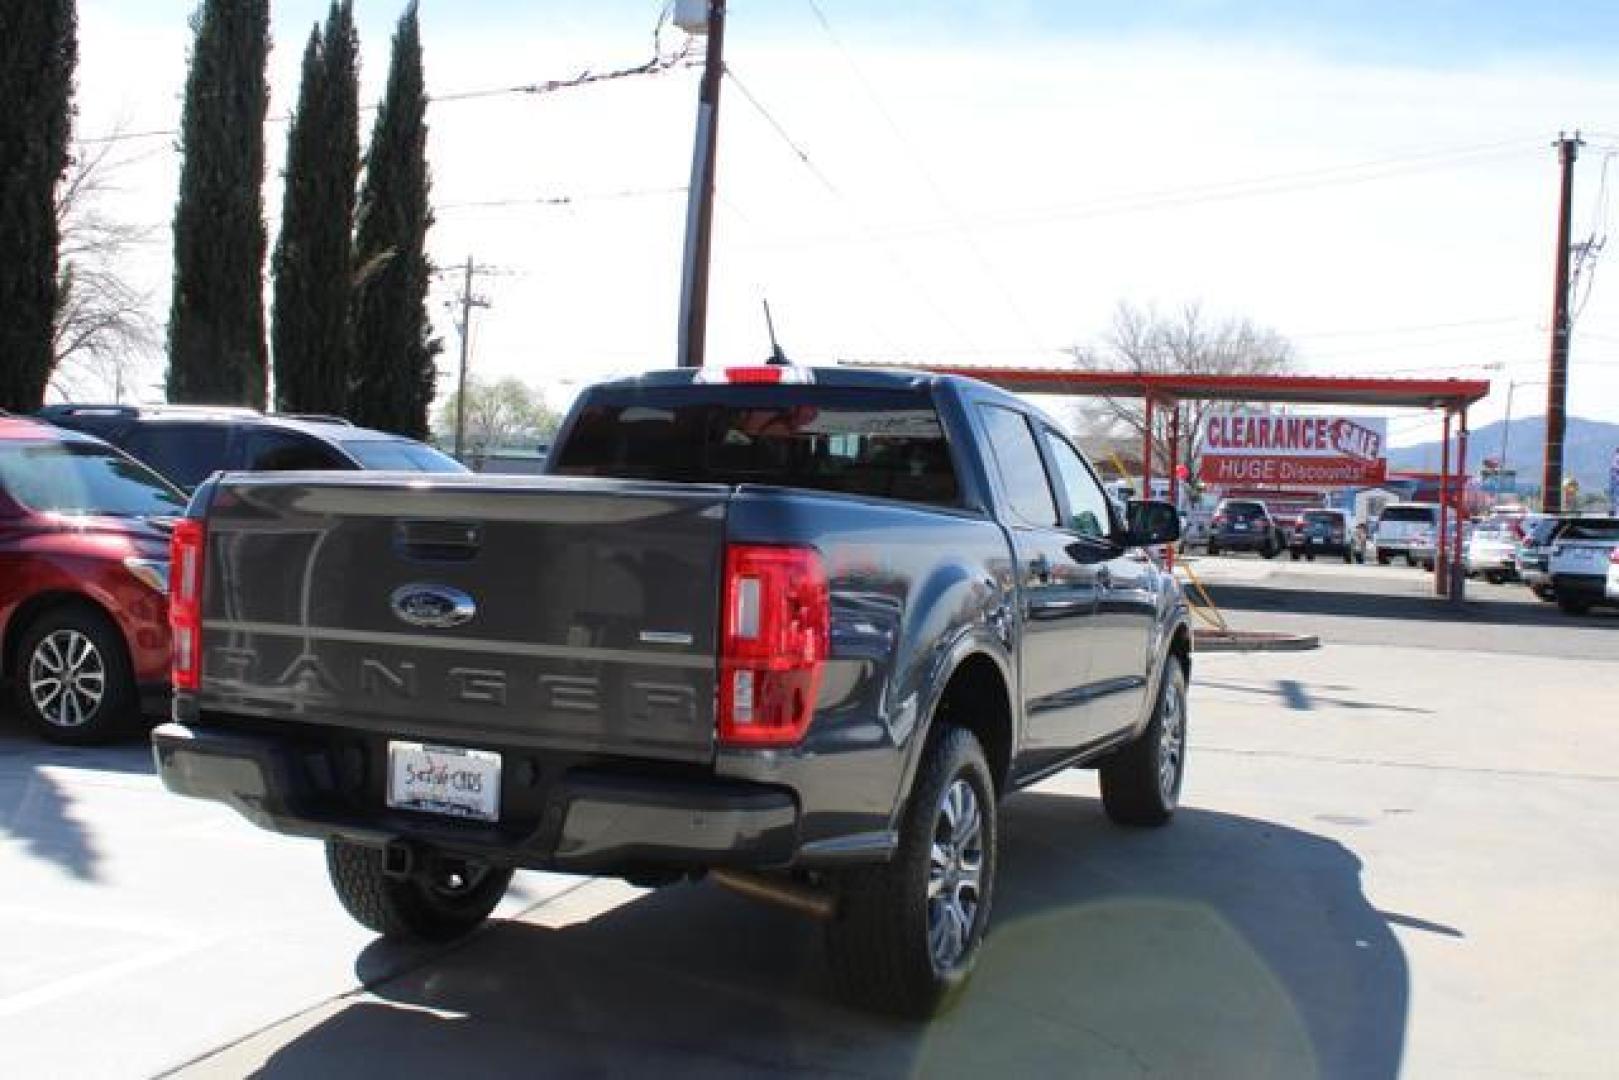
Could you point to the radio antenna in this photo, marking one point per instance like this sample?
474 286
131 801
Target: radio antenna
776 355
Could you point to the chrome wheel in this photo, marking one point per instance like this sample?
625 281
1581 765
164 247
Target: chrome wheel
1171 742
67 679
955 873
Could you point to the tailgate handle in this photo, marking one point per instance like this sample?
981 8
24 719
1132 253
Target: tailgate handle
438 541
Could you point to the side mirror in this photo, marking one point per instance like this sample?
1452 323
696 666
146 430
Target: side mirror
1149 522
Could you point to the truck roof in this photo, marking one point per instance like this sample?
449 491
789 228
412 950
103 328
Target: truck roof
862 378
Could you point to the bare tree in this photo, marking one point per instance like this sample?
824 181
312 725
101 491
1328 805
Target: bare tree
503 414
103 331
1145 342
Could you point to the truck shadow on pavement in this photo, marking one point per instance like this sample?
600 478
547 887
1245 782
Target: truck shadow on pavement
37 809
1222 946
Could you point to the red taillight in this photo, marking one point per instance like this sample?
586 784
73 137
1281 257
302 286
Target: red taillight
773 643
187 547
1613 556
763 373
753 374
1219 520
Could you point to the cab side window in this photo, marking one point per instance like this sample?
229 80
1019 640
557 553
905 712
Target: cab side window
1089 512
1017 460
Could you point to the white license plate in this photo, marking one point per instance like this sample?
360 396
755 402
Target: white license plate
1241 526
444 780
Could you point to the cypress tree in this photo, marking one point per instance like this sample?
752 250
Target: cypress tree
313 256
38 51
217 353
392 381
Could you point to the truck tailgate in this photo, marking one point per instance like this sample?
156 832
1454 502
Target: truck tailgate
556 613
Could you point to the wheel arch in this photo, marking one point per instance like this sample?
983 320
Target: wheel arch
976 695
41 604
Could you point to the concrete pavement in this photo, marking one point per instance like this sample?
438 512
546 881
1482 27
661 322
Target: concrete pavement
1396 856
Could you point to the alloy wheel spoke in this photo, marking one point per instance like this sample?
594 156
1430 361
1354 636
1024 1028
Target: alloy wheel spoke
49 656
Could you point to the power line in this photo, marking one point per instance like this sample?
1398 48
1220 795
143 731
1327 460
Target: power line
659 63
1585 259
562 200
1419 328
837 193
944 202
1224 191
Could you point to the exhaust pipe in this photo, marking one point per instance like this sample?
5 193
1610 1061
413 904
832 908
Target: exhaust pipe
816 903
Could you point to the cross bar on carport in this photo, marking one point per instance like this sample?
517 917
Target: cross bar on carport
1454 396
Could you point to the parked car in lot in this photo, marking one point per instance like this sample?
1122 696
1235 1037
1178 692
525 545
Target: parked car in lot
795 629
1245 525
1406 530
1580 557
84 550
187 444
1534 552
1323 532
1196 527
1492 550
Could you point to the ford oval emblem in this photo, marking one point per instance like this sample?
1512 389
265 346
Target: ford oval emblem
437 607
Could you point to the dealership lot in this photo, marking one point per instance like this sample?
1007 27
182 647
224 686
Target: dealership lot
1397 854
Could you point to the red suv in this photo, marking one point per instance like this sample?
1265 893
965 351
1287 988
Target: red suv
84 569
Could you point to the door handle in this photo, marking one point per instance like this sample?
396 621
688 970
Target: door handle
1104 576
1040 569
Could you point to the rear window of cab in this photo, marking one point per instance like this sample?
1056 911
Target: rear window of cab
885 443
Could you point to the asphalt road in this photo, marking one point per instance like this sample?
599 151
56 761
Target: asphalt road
1397 856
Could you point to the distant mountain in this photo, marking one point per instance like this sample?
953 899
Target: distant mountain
1588 447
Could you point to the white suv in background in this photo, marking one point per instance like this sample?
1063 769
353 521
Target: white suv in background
1407 529
1582 561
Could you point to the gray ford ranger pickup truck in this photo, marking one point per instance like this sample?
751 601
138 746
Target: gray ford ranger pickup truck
795 630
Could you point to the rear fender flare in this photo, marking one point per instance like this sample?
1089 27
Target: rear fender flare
969 642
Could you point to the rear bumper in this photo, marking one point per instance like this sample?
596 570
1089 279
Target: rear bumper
592 821
1487 560
1243 541
1590 588
1322 546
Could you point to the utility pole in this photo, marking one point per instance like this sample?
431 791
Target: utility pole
700 194
464 326
1551 483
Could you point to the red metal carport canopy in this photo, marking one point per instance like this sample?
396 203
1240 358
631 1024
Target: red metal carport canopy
1454 396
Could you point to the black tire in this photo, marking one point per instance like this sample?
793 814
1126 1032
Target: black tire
1495 577
1214 549
880 944
1543 593
1382 559
1269 551
1293 555
1140 784
446 901
1571 606
93 648
1410 560
1349 557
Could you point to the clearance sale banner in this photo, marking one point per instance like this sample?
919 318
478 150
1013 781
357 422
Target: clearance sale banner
1264 449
